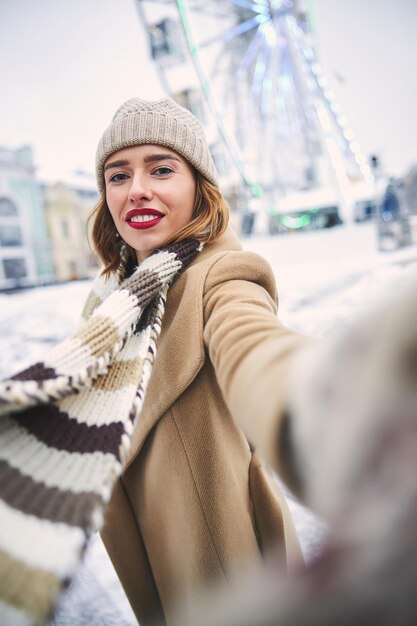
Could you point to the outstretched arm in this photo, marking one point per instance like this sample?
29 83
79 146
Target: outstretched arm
251 350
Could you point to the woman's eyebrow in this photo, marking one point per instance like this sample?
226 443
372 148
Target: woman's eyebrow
120 163
151 158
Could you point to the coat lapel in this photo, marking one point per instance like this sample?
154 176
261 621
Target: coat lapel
180 350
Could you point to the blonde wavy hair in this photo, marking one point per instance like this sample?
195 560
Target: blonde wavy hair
209 221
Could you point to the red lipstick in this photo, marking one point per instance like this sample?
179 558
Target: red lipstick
144 220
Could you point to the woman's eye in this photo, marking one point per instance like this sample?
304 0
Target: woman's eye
116 178
163 171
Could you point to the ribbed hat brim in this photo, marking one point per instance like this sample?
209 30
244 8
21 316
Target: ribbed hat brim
152 127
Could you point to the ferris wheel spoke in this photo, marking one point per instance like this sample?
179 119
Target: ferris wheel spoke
235 31
251 6
305 112
262 87
260 68
272 90
272 73
251 52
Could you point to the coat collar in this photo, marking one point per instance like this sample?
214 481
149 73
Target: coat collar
180 350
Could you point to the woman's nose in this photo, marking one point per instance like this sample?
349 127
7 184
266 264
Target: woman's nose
140 189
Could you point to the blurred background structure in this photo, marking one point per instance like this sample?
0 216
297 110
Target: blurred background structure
43 226
250 72
24 242
68 206
308 106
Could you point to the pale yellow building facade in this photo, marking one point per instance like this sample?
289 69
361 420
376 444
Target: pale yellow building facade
67 209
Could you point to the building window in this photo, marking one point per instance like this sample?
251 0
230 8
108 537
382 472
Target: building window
10 236
7 207
14 268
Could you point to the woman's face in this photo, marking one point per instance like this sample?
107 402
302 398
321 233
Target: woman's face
150 191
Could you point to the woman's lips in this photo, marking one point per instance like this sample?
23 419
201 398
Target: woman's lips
140 219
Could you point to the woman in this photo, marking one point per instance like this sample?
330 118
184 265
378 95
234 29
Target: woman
192 506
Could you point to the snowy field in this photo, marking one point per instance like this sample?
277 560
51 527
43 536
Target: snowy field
326 279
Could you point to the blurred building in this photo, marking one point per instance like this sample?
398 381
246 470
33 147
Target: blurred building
68 206
25 257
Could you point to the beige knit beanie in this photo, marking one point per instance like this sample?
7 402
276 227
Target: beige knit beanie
162 122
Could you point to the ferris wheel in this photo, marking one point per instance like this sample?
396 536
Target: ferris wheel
248 70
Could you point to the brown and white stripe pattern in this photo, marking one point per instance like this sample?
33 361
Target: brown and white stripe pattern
65 431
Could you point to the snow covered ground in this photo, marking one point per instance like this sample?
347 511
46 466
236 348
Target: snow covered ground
326 279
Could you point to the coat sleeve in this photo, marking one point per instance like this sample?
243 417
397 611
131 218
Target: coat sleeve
251 350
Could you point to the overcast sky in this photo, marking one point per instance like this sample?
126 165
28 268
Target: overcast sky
66 65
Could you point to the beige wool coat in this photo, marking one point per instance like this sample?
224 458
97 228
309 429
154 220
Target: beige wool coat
194 505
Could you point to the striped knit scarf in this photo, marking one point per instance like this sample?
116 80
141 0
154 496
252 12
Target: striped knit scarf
65 432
